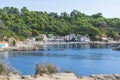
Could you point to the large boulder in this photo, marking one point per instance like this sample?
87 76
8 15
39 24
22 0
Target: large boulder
64 76
104 77
86 78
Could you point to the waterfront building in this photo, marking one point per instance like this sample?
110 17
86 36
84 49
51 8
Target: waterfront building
3 44
51 38
84 39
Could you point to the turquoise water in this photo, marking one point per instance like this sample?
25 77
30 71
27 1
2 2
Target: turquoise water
81 59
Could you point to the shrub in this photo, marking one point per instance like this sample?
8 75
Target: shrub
51 68
45 69
67 71
39 39
2 69
14 42
6 69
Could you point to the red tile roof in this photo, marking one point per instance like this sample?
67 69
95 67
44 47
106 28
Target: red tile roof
3 43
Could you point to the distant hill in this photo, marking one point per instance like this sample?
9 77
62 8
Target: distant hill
23 24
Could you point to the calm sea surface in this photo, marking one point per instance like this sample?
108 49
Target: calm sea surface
81 59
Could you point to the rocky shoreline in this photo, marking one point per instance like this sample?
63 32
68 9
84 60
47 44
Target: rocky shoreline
22 48
102 77
39 46
60 76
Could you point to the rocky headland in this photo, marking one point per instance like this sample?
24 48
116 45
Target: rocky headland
21 49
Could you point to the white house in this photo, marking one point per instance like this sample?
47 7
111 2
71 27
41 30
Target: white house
44 37
51 38
71 36
84 39
3 44
74 37
67 38
104 39
60 39
34 39
107 39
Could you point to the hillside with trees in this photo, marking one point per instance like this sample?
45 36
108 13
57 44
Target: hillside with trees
22 24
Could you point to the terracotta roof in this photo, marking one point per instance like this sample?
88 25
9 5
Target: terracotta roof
3 43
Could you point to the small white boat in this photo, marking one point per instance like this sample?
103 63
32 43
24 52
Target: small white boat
116 48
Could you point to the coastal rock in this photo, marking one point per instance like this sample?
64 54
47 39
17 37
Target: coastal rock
60 76
104 77
2 77
12 76
27 48
27 77
117 76
99 77
86 78
64 76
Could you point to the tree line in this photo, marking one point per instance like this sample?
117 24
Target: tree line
22 24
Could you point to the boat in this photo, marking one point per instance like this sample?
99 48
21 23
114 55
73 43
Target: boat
116 48
49 49
61 49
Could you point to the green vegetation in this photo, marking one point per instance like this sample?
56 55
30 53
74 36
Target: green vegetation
45 69
2 69
39 39
67 71
6 69
14 42
23 24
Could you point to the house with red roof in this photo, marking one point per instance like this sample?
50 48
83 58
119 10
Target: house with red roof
3 44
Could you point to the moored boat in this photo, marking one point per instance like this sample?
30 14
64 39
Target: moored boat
116 48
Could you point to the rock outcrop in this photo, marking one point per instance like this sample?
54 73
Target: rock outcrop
60 76
102 77
21 48
57 76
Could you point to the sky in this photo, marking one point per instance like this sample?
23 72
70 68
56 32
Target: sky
109 8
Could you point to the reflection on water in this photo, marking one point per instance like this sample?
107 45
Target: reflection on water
79 58
4 55
78 46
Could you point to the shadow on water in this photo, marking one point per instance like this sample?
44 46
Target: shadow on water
34 53
77 45
55 55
